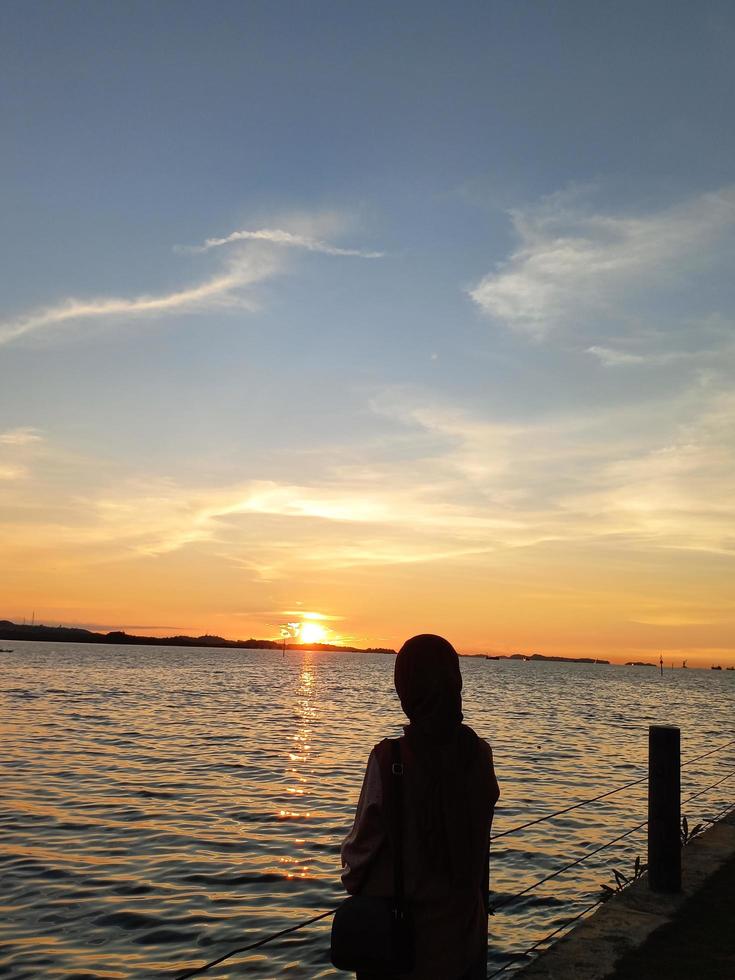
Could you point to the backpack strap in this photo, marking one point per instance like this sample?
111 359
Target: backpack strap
396 808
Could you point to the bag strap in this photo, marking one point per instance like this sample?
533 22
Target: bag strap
397 822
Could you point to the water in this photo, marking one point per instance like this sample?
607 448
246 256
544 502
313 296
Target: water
162 804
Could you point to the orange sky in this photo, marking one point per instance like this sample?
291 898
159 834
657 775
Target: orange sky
416 329
610 599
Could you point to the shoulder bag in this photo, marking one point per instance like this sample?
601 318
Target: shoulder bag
375 935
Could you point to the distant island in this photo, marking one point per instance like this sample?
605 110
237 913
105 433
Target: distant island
541 656
74 634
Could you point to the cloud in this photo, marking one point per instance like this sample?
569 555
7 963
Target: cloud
23 436
473 487
648 352
312 615
639 478
12 472
677 492
276 236
572 263
659 474
17 444
252 261
614 358
219 291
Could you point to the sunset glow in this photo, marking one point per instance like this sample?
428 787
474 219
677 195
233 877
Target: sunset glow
437 348
312 633
325 327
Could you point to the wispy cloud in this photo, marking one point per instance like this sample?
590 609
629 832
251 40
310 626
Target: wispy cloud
276 236
253 260
225 289
659 474
23 436
11 471
650 476
16 447
614 358
572 263
476 488
326 617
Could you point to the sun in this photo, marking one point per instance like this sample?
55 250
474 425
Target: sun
312 633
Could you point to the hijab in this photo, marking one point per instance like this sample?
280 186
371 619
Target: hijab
429 685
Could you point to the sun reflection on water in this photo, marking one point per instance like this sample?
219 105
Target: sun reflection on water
306 716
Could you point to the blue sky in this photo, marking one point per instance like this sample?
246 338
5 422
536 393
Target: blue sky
524 362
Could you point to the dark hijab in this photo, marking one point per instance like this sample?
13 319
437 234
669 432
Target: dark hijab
429 684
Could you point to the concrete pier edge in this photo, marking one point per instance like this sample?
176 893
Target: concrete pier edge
592 950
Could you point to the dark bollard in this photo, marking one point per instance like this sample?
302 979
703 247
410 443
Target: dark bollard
664 808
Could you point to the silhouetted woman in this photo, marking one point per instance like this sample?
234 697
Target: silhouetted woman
450 791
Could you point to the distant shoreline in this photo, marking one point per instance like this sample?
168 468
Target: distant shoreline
73 634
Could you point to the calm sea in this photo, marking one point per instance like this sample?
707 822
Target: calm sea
162 804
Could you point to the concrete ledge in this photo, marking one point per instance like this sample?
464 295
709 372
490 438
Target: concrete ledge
592 949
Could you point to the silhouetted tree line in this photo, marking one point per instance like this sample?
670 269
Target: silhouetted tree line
74 634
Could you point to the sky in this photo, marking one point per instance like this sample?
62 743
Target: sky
386 318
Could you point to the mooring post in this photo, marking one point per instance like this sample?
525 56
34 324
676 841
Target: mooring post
664 808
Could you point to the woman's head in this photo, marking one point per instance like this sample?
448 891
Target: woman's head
429 684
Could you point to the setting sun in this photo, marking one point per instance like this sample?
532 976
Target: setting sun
312 633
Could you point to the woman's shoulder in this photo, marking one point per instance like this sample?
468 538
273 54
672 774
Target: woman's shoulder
381 757
382 749
480 746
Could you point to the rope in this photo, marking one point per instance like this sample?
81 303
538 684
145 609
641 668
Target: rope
568 809
572 864
596 850
260 942
584 857
546 938
705 754
708 788
494 908
602 796
728 809
589 908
